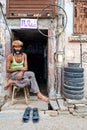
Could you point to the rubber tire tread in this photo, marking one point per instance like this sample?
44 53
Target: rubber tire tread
74 84
73 75
74 92
74 97
73 87
74 69
74 80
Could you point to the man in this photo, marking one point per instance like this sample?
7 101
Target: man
16 65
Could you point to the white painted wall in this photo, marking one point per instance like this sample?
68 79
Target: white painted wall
3 2
69 12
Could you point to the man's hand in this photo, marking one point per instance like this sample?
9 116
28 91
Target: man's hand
20 75
23 69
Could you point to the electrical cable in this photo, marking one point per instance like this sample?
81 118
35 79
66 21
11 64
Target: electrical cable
52 19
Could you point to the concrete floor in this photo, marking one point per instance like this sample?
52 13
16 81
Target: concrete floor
11 117
12 120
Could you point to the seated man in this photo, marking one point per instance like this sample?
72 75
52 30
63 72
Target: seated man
16 65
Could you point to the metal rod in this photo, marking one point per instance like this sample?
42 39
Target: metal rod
81 54
80 50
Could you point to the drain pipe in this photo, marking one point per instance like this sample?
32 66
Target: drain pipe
59 72
60 52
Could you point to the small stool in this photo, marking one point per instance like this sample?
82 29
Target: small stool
26 93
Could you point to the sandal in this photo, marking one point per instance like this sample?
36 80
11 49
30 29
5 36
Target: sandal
35 116
26 115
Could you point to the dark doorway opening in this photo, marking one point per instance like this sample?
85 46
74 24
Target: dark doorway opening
35 45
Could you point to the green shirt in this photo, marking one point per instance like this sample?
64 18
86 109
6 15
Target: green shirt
15 64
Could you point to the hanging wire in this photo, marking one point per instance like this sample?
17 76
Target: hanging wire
52 19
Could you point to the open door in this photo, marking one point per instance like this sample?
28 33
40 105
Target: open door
35 46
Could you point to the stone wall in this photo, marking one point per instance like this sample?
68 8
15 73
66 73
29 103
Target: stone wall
2 59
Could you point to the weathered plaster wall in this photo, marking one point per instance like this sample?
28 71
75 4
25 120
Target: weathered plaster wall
15 24
73 55
2 53
69 12
72 49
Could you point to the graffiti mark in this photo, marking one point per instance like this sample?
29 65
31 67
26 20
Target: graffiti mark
84 57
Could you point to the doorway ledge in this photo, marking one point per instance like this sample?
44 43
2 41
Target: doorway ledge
77 38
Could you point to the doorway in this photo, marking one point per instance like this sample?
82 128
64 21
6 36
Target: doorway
35 46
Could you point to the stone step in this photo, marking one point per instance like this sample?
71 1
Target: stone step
82 101
21 105
81 109
54 104
61 105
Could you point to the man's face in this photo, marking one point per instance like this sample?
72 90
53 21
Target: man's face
17 49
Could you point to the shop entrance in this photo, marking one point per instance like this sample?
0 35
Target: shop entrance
35 46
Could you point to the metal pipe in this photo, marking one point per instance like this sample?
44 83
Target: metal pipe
81 54
80 50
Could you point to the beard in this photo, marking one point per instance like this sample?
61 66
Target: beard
17 51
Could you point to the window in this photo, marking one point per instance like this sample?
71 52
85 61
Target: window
80 16
29 8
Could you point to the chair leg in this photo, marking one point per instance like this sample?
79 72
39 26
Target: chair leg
28 95
13 94
25 93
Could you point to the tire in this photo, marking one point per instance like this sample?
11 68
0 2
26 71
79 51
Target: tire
71 96
74 69
74 64
73 83
75 88
74 80
73 75
74 92
81 84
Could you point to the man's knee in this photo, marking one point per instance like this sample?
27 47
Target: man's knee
30 74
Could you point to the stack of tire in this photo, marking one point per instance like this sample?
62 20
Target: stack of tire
73 87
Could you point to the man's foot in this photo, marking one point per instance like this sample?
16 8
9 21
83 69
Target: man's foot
42 97
8 84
